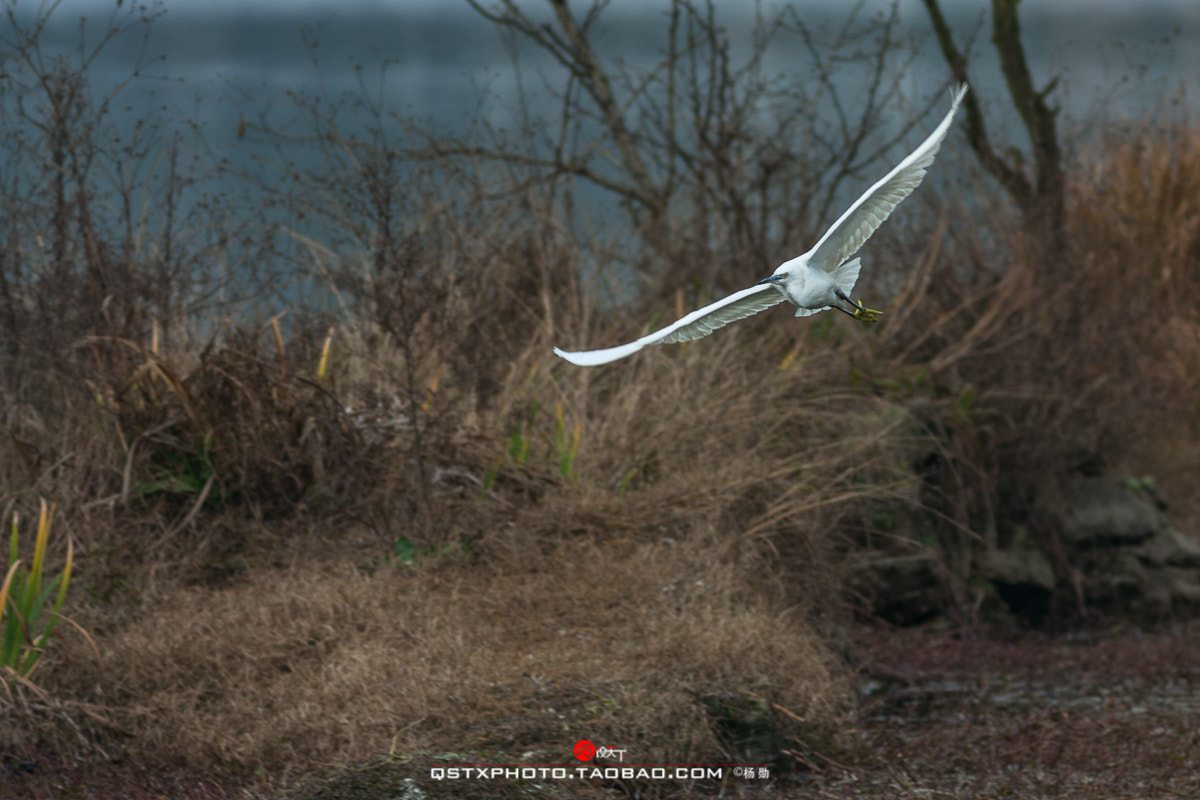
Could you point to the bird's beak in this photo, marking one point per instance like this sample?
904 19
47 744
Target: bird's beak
780 278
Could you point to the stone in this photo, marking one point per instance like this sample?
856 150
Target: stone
1157 596
1019 566
902 590
747 725
1169 548
1116 581
1169 590
1185 588
1120 584
1023 577
1106 511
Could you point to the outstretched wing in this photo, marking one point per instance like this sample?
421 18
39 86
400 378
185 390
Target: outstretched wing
695 325
854 227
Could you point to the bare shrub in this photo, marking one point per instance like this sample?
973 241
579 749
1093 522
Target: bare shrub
1029 370
711 154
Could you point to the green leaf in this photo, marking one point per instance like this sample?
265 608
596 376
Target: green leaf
405 551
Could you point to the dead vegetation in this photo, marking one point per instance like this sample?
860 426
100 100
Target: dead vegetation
439 540
341 663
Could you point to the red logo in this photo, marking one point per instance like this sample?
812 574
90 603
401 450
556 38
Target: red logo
584 750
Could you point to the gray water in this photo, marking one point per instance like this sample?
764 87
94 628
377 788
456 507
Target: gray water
1128 57
210 68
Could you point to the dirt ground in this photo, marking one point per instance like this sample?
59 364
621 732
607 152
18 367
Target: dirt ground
1086 715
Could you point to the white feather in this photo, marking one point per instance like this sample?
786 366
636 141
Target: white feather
868 212
820 279
698 324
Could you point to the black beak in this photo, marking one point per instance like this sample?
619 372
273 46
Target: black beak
773 279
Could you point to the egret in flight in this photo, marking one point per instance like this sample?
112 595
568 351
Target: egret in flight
820 279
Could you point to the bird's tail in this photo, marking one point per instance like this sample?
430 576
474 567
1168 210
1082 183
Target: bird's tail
846 275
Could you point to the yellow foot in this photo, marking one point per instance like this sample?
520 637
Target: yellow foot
866 314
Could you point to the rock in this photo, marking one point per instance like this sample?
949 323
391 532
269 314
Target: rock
747 725
1185 588
1106 511
1157 596
1169 590
1118 583
1023 577
902 590
1019 566
1169 548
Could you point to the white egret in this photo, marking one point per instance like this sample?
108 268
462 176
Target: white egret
820 279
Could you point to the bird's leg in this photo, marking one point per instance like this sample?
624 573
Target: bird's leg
860 311
865 314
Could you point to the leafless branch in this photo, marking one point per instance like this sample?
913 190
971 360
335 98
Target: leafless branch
701 141
1041 199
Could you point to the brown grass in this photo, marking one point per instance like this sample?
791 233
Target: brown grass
241 521
679 559
1139 215
693 548
335 664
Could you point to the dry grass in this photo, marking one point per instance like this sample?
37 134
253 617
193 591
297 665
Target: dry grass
236 522
1140 217
240 518
693 547
680 558
335 664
